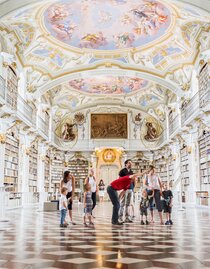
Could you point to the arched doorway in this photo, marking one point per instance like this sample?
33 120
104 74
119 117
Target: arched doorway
108 173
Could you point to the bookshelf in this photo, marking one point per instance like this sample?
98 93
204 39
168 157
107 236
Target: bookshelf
79 168
47 174
171 170
11 162
204 151
33 159
185 167
162 169
57 168
140 165
12 88
203 80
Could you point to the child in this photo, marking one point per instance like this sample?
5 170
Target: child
167 204
88 204
63 206
144 204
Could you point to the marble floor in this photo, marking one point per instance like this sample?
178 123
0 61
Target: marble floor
33 239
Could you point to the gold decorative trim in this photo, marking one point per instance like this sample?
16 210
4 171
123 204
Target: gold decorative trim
2 138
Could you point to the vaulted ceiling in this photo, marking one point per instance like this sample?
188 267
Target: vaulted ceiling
74 53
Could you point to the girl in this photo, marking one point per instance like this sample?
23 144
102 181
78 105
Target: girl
68 181
92 181
88 204
101 187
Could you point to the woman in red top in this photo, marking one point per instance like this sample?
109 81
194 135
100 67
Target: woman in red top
122 183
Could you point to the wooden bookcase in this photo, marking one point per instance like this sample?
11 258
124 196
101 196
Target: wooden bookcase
79 168
47 174
12 88
57 169
171 170
204 151
140 165
11 162
33 159
162 169
185 167
204 80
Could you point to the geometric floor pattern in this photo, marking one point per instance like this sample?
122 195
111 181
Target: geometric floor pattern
32 239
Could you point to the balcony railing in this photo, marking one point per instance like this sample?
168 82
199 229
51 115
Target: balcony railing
2 88
190 110
174 125
43 126
163 139
204 85
205 97
25 110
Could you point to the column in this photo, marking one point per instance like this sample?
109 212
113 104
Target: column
193 166
42 148
167 124
2 158
2 164
25 141
94 164
5 124
177 184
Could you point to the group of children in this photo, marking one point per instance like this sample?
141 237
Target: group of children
88 205
167 197
147 196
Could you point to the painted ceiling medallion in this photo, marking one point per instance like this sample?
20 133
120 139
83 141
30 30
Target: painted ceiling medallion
107 25
108 84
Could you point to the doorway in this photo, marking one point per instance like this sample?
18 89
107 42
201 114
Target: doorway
108 173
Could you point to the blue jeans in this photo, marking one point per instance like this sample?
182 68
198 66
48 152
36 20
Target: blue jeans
63 215
113 195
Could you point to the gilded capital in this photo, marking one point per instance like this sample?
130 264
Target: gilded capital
5 64
2 138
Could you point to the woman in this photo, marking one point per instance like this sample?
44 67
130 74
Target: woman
101 187
92 181
152 182
68 181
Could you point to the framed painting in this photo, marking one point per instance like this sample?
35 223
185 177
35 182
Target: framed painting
109 126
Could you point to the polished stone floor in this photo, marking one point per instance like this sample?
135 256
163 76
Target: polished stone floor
33 239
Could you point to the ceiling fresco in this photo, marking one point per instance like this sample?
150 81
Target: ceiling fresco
59 36
107 24
108 84
69 99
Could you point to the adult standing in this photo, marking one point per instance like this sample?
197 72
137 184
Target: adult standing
126 200
68 182
92 181
153 182
122 183
101 187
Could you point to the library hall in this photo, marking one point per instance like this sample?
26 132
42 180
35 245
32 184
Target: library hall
105 134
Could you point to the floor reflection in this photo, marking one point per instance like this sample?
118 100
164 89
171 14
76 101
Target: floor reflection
33 239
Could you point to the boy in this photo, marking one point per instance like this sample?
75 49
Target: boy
167 204
63 206
144 204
